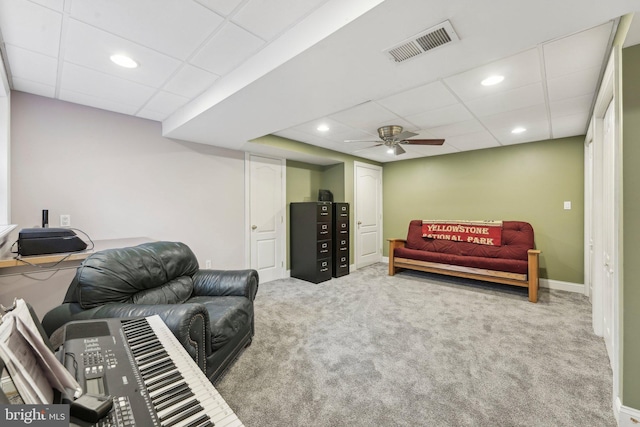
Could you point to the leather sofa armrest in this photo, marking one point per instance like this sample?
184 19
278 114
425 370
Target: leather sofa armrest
189 323
226 283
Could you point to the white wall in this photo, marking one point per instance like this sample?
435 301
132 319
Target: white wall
118 177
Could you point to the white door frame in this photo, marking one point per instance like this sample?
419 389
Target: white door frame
609 88
356 165
282 234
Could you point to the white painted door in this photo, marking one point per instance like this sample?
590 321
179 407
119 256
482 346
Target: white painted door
266 217
368 214
608 228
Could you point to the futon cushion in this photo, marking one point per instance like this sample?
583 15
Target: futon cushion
159 271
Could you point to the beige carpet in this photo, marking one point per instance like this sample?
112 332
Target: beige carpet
419 350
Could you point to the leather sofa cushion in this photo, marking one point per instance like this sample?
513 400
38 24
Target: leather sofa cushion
159 271
227 315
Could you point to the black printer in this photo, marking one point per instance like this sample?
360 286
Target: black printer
39 241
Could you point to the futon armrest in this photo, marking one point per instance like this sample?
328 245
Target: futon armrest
226 283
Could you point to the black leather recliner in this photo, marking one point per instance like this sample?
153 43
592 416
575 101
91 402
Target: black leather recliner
209 311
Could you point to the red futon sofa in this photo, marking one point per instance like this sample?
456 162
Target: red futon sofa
514 262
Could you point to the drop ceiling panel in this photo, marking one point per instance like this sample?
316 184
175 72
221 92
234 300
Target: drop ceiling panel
190 81
268 18
92 48
513 99
230 47
30 26
440 117
571 106
224 7
30 65
424 98
104 86
461 128
335 128
580 51
165 103
158 24
472 141
535 132
523 117
574 84
51 4
569 125
367 116
518 70
105 104
36 88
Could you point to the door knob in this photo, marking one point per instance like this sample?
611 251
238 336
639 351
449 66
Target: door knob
359 222
253 227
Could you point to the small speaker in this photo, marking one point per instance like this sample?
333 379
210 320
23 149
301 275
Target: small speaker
325 196
45 218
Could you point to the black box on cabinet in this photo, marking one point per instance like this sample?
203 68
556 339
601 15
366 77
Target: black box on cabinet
310 241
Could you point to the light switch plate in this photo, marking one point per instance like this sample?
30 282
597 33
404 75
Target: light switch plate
567 205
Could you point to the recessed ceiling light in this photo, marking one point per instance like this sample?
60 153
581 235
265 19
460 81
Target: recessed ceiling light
390 151
323 128
492 80
123 61
518 130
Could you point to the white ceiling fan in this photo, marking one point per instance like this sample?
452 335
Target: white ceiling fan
392 136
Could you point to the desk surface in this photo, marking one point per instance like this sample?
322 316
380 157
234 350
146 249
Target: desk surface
99 245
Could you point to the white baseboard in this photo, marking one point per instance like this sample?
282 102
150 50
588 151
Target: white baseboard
549 284
627 417
562 286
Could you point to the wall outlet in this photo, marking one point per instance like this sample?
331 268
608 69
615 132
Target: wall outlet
207 264
65 220
567 205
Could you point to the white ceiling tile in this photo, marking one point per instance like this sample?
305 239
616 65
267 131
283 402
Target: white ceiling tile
230 47
165 103
461 128
569 125
514 99
576 52
524 117
368 117
57 5
472 141
92 48
30 26
335 128
91 101
33 87
424 98
534 134
104 86
30 65
574 84
190 81
173 27
268 18
580 105
442 116
518 70
151 115
224 7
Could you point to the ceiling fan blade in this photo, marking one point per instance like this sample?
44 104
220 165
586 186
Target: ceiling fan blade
366 148
361 140
404 135
423 141
397 150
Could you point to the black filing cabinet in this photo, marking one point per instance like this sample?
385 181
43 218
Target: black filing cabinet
340 239
310 236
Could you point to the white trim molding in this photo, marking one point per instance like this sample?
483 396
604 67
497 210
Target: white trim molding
627 417
562 286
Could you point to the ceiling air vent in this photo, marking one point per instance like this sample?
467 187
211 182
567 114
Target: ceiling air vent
429 39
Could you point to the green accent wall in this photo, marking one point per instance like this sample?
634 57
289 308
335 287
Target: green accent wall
525 182
630 297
